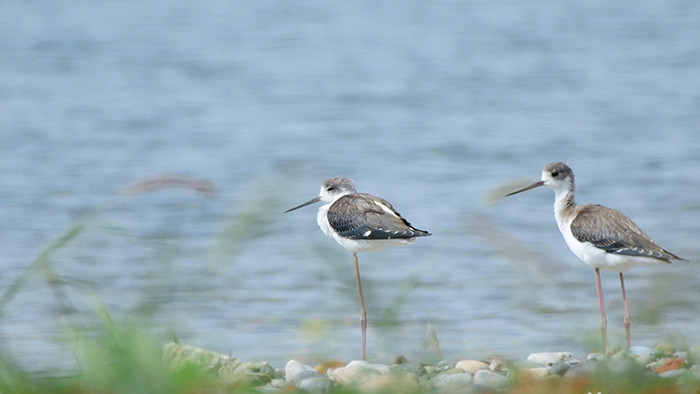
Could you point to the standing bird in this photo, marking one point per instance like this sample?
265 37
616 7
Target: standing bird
599 236
360 222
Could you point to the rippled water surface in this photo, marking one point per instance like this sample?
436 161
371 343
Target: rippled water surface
431 106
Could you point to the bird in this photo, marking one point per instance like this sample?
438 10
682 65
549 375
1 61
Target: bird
360 222
601 237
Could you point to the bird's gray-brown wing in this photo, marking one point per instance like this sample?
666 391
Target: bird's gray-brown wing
612 231
361 216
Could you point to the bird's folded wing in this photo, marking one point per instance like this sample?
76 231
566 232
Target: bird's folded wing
612 231
363 216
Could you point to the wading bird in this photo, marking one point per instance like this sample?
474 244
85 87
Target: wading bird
599 236
360 222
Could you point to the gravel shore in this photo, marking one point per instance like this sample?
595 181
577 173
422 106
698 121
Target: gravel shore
662 367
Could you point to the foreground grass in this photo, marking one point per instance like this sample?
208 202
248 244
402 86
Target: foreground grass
130 360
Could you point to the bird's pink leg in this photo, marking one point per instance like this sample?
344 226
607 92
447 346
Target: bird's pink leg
363 313
628 319
603 320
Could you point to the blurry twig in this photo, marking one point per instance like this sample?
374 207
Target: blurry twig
146 185
434 340
42 262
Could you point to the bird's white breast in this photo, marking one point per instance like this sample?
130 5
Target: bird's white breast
598 258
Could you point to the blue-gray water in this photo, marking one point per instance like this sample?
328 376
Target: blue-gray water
431 106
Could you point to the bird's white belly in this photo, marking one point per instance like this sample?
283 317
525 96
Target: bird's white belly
598 258
353 245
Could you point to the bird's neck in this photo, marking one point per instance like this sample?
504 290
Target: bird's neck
563 203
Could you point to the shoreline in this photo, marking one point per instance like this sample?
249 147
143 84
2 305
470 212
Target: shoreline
640 367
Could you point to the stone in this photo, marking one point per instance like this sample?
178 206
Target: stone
580 370
683 355
645 360
673 373
452 383
471 366
250 373
695 370
317 384
357 371
538 372
654 366
694 355
294 367
549 358
595 356
397 382
559 368
671 364
664 349
414 368
498 365
491 380
324 366
638 351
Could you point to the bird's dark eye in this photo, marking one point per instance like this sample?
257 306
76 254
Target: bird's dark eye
330 189
555 174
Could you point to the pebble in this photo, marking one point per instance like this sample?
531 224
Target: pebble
538 372
318 384
452 383
595 356
498 365
471 366
401 382
638 351
671 364
664 349
468 376
694 355
549 358
357 371
490 380
695 371
672 373
560 368
294 368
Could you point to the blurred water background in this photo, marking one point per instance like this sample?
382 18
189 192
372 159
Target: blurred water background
435 106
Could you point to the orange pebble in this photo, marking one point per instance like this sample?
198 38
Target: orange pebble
671 364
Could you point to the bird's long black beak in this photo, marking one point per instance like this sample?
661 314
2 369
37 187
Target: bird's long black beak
526 188
315 200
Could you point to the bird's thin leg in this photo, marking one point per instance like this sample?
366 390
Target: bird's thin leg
363 313
628 319
603 320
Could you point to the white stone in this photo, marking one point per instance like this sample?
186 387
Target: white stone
471 366
549 358
293 368
638 351
357 371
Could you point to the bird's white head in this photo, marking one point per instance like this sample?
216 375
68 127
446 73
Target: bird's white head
331 190
557 176
336 187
